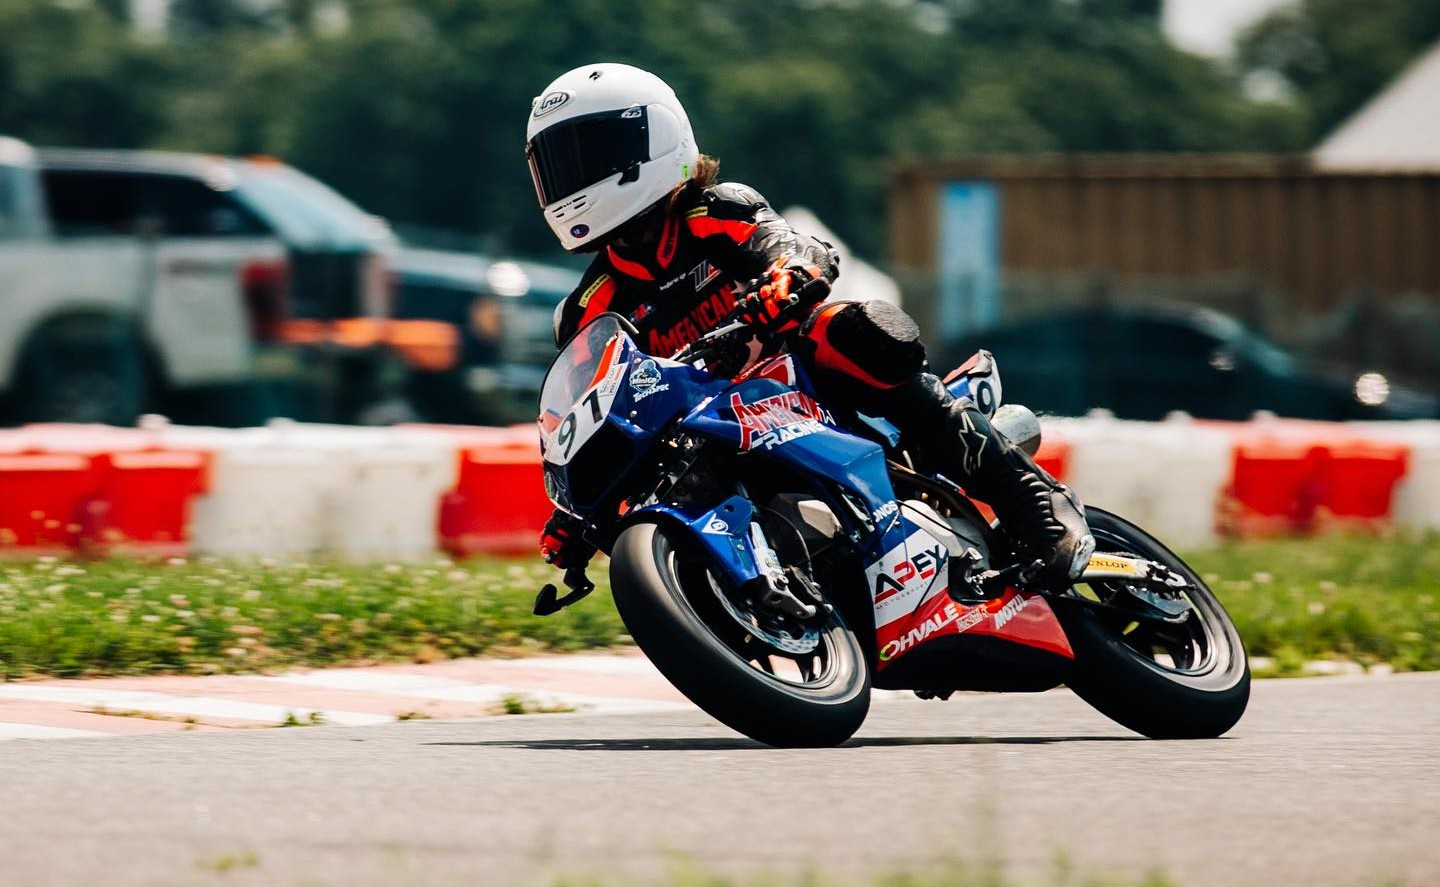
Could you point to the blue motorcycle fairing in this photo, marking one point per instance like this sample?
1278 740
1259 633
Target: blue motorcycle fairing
762 416
677 388
724 531
884 428
649 392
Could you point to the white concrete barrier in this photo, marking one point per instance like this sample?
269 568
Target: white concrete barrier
361 493
289 489
264 501
1168 477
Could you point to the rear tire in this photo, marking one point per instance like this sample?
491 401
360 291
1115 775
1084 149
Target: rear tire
1201 700
682 628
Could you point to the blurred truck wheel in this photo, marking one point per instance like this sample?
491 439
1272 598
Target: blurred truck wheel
91 369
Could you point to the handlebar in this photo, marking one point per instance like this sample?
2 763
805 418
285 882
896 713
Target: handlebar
732 325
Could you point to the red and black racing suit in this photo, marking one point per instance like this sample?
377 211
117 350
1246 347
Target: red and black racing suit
683 279
678 278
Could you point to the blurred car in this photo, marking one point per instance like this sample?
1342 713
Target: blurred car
214 289
504 311
1145 363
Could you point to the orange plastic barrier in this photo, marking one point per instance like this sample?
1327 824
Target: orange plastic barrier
1054 456
95 488
40 500
142 503
1357 481
1295 477
498 505
1273 487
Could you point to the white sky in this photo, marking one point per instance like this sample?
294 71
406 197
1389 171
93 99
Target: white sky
1209 27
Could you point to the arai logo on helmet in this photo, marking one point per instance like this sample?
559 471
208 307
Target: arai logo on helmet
550 102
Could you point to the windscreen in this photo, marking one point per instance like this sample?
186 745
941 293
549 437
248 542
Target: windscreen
578 367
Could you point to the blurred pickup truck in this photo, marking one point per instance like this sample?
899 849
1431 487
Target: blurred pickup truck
212 289
504 313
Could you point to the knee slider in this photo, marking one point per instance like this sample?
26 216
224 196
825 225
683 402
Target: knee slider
878 337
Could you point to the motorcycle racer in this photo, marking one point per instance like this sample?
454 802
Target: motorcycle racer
618 173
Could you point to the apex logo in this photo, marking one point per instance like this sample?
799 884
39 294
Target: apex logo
922 566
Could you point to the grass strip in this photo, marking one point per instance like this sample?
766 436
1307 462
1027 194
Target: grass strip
1364 599
74 619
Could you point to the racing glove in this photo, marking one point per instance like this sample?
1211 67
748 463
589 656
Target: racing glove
561 544
781 301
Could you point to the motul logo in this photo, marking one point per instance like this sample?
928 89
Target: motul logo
1010 610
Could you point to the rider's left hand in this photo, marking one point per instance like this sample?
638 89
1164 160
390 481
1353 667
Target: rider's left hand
561 544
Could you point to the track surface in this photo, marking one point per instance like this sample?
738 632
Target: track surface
1325 782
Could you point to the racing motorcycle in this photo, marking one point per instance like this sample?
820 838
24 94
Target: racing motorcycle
776 559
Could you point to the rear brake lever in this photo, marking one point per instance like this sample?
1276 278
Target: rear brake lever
1016 574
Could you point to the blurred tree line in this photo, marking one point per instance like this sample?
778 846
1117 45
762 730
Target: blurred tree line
416 108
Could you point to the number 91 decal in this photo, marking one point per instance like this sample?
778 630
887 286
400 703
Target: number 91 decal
584 419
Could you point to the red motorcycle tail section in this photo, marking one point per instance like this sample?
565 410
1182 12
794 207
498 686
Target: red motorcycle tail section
1018 617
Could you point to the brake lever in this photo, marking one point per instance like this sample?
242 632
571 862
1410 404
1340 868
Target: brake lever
548 602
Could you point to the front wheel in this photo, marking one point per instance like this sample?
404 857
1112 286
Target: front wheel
1189 680
807 690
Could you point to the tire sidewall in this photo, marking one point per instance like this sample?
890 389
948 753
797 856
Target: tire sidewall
673 635
1138 693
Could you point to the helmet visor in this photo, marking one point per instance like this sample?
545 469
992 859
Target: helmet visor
579 152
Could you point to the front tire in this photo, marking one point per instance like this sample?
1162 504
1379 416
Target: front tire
1182 682
658 578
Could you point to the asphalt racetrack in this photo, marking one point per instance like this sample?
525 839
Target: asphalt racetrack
1325 782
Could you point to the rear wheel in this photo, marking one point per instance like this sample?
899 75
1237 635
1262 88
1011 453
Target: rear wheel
782 684
91 370
1186 680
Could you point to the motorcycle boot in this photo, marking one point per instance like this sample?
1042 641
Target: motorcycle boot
1042 515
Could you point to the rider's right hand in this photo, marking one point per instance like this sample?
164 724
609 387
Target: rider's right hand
781 298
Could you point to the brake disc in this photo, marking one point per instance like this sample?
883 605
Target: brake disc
754 625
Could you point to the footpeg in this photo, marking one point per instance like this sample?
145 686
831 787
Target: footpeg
1152 584
990 583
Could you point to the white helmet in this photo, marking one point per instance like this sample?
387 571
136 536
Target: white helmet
605 143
